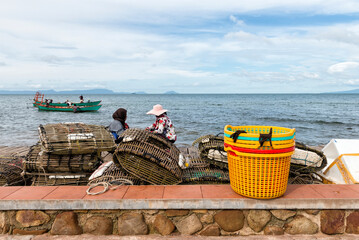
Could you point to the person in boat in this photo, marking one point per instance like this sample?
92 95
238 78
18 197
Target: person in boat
81 99
163 124
118 124
68 102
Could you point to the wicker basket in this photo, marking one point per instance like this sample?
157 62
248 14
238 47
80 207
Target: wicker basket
140 135
38 160
149 162
211 148
11 172
75 138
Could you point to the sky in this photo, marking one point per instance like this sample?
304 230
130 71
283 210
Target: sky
209 46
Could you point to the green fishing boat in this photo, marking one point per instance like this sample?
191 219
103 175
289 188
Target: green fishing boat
64 104
75 108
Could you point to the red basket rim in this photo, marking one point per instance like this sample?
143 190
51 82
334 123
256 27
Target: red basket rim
250 150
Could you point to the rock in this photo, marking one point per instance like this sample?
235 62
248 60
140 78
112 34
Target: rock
4 226
132 223
258 219
66 224
189 225
28 232
332 221
176 213
30 218
98 225
207 218
312 212
230 220
163 225
283 214
210 230
201 211
353 223
150 212
301 225
273 230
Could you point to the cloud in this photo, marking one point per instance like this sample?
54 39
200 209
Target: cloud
344 67
191 46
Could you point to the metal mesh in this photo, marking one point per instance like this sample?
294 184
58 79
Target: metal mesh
114 174
205 176
55 179
211 148
11 172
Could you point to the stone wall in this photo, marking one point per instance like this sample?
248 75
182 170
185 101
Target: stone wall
180 222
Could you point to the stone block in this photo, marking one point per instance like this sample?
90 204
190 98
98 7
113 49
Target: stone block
230 220
332 221
66 224
30 218
189 225
273 230
207 218
353 223
176 212
4 225
258 219
132 223
210 230
312 212
163 225
17 231
301 225
283 214
98 225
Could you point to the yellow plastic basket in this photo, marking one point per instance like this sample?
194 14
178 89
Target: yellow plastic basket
281 137
262 176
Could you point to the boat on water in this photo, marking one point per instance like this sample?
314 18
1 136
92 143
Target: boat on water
64 104
73 108
39 100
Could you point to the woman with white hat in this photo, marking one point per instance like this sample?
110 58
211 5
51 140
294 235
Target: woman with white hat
163 124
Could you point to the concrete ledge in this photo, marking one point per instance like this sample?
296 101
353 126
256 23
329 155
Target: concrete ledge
176 197
152 204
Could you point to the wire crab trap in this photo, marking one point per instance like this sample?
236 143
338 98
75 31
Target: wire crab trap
38 160
149 162
115 176
57 179
75 138
11 172
211 148
205 176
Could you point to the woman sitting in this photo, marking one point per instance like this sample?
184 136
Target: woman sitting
119 124
163 124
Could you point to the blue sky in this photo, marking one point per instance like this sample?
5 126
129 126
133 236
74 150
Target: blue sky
227 46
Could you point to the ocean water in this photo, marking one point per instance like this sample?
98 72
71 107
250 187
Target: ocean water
317 117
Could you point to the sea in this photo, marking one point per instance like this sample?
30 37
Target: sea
317 118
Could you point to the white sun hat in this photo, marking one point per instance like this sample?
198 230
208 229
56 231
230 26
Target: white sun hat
157 110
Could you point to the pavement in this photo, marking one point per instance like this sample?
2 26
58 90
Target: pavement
158 237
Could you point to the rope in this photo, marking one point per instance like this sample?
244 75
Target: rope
107 185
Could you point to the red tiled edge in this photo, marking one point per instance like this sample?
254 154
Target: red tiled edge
173 192
31 193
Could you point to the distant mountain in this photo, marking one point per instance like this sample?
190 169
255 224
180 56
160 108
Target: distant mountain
345 92
171 92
